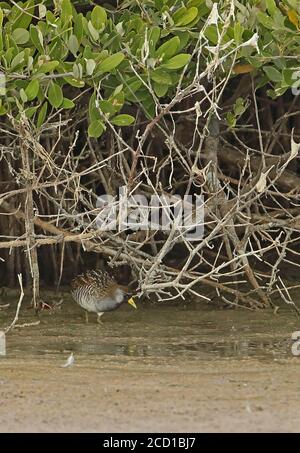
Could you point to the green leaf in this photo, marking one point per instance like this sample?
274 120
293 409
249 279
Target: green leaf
37 38
67 104
48 67
179 14
153 39
96 128
178 61
123 120
211 33
42 11
19 59
32 89
93 32
3 110
159 4
66 11
239 106
31 111
168 49
187 17
20 35
184 37
90 66
161 76
73 45
160 89
271 7
117 101
94 113
23 20
77 71
231 119
272 73
51 19
98 17
9 54
265 20
42 115
277 92
74 82
238 32
149 107
118 89
106 107
132 85
289 77
111 62
78 27
23 95
195 2
1 22
55 95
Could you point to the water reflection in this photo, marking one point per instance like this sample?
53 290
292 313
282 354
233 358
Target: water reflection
156 332
199 350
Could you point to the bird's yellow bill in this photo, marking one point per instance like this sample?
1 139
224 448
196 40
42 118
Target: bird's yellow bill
132 303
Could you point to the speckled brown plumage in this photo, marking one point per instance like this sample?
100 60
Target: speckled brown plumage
97 291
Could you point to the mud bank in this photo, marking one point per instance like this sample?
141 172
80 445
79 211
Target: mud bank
155 369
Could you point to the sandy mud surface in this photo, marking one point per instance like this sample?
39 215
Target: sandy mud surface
151 370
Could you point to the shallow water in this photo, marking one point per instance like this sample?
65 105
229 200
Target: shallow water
202 334
158 368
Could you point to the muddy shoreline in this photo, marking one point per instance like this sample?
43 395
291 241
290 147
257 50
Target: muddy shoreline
154 370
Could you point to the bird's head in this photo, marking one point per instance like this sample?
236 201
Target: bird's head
123 295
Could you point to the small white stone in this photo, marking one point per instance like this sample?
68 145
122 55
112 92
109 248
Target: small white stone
70 361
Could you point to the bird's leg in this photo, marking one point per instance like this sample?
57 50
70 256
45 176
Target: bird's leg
86 317
99 318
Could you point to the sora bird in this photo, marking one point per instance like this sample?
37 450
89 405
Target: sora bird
97 291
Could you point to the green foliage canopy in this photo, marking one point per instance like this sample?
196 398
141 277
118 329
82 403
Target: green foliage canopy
138 53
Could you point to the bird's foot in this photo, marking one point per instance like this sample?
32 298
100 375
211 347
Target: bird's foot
86 317
99 318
